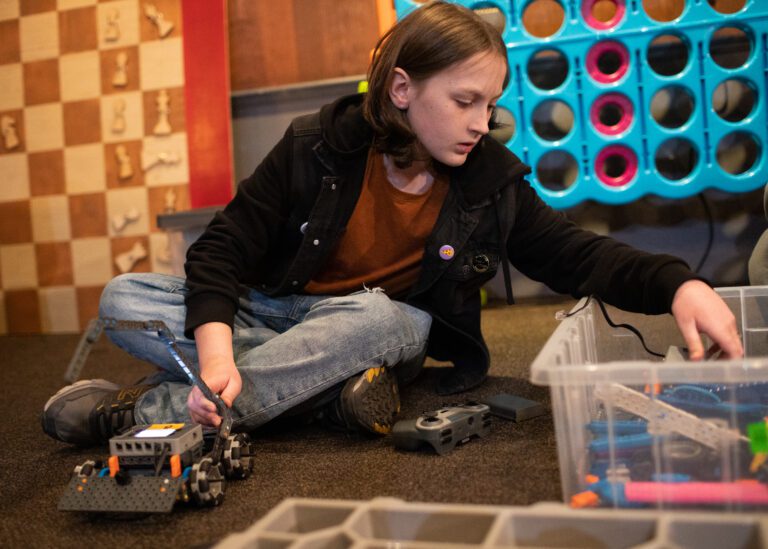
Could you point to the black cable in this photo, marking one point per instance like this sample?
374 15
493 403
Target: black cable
711 232
566 315
612 324
629 327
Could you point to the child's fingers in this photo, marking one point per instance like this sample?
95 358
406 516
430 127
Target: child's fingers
205 419
731 345
202 410
692 341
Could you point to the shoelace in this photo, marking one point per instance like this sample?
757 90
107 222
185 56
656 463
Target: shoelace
115 415
109 421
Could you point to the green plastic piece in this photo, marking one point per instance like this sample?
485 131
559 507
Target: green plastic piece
758 437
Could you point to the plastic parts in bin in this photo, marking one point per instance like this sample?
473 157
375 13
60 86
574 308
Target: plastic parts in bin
634 430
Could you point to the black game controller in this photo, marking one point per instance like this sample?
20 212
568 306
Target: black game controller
443 429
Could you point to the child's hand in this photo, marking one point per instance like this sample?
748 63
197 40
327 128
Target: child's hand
697 308
222 378
217 370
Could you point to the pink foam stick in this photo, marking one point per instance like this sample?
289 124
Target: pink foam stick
749 492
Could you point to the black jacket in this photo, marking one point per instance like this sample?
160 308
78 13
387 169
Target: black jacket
314 176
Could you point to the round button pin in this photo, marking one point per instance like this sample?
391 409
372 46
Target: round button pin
446 252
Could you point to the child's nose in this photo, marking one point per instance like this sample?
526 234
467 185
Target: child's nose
480 123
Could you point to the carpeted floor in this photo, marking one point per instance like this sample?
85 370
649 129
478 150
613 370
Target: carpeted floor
515 465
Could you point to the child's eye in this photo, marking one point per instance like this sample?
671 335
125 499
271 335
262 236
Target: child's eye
464 102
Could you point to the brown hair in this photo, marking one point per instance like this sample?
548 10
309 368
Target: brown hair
425 42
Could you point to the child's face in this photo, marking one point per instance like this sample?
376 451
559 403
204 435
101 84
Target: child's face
449 111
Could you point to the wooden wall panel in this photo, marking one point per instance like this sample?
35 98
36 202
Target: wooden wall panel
277 43
273 43
335 37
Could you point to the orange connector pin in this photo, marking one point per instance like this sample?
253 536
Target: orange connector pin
175 465
114 466
584 499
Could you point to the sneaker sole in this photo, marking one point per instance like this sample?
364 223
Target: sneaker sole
374 400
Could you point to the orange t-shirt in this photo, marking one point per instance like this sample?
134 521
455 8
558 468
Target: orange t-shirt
384 241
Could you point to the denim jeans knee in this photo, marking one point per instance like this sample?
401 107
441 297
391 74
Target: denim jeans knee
376 316
113 296
145 297
127 295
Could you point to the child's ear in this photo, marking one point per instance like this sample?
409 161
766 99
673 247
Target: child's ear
399 89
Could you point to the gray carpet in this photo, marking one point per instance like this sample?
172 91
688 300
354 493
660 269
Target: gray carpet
515 465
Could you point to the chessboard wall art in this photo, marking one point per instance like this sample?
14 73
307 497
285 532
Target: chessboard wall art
98 138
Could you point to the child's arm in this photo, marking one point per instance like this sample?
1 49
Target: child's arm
217 369
697 308
546 246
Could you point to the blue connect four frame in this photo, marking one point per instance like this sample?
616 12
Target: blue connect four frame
617 142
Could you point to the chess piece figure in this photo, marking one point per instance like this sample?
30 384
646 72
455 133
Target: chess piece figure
119 221
118 119
127 261
8 129
120 78
112 31
163 126
164 27
124 167
150 160
170 201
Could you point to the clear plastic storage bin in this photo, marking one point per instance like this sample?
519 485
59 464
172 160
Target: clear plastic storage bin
636 430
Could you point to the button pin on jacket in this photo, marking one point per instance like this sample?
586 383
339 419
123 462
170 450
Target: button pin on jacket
481 263
446 252
303 227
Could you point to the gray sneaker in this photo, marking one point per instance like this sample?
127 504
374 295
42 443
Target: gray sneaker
370 402
90 411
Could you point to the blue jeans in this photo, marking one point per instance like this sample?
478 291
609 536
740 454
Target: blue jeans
287 349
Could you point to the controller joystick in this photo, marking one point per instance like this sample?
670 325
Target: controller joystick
443 429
